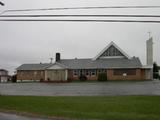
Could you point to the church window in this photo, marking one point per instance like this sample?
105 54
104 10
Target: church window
93 72
75 72
112 51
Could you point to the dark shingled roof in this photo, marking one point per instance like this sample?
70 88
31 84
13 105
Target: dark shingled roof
3 70
102 63
40 66
89 64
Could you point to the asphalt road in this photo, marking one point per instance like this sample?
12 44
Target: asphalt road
4 116
82 89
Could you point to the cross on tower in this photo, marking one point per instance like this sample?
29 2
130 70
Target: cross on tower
51 59
149 34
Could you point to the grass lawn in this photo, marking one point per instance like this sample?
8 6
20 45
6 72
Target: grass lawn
97 108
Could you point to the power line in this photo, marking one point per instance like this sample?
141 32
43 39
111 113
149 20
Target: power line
1 3
71 8
62 20
157 16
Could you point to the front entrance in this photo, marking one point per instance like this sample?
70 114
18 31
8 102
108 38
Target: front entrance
148 74
56 75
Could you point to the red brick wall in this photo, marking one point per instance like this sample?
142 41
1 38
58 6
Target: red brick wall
72 77
143 74
139 76
30 75
111 76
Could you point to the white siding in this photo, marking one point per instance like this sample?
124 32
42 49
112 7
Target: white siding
4 79
56 75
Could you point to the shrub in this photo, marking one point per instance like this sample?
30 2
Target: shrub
102 77
14 78
69 79
155 75
82 78
41 80
155 71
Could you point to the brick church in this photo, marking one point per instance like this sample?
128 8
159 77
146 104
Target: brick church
112 61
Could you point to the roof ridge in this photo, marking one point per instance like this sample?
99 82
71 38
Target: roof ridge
34 63
78 59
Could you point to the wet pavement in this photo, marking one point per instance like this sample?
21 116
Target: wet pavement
82 89
5 116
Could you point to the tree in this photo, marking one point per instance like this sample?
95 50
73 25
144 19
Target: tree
155 71
102 77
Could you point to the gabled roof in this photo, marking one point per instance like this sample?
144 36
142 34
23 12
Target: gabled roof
56 66
3 70
123 62
107 47
40 66
111 63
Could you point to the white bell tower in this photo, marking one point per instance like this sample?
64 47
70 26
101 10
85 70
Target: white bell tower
149 51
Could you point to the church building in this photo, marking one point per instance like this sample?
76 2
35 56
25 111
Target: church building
112 61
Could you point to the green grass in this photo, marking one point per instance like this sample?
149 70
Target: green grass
97 108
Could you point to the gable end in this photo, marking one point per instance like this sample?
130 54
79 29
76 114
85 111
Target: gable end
111 51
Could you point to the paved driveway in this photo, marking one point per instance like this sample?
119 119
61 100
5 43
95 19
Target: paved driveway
81 89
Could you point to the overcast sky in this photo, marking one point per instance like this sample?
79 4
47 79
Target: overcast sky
35 42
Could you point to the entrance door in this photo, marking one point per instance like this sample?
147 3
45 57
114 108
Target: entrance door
56 75
148 74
